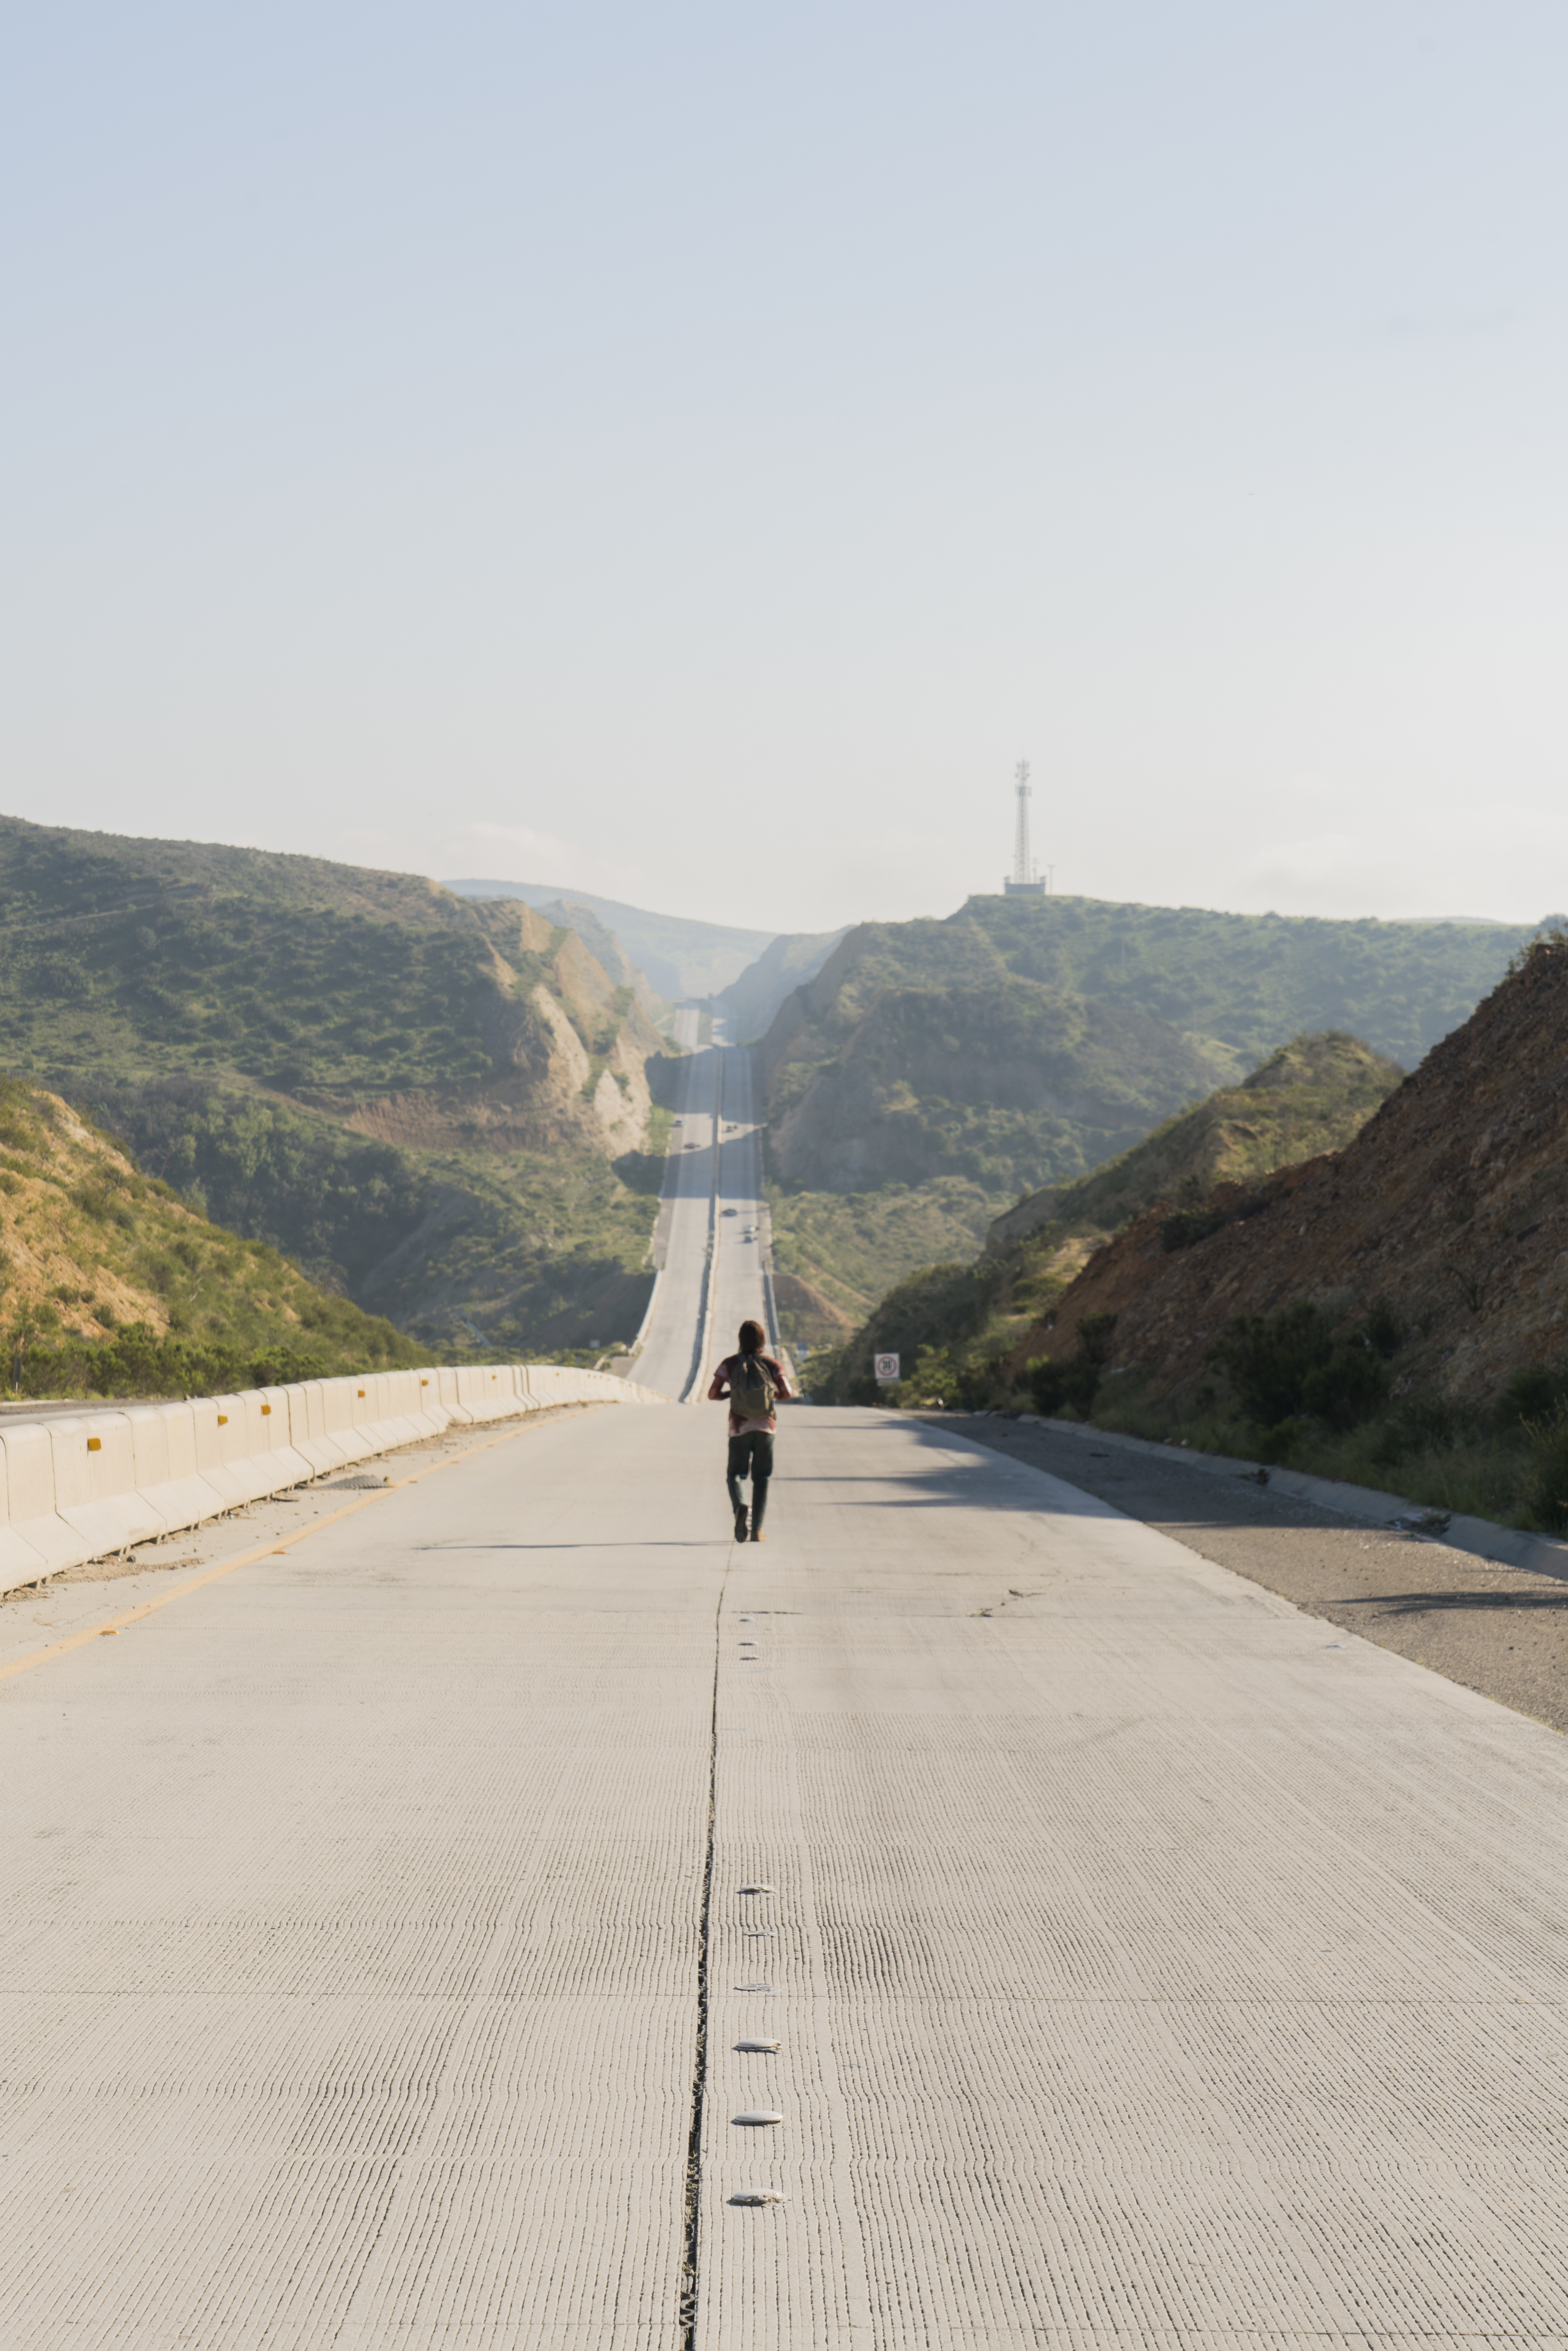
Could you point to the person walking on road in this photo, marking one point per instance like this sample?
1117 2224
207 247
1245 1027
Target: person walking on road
754 1383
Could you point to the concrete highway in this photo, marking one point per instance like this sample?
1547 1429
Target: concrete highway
712 1279
1150 1962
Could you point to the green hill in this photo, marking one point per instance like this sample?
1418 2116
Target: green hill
1023 1043
442 1106
952 1322
1312 1094
110 1285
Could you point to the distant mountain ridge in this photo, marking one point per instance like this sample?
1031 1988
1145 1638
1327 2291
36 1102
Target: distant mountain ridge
1313 1095
753 1002
681 956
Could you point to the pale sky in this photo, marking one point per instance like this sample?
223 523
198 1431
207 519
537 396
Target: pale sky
691 453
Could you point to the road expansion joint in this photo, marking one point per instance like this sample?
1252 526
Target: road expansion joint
692 2249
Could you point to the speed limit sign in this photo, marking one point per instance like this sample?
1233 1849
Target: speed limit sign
887 1369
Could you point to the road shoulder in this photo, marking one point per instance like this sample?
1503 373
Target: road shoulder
1499 1630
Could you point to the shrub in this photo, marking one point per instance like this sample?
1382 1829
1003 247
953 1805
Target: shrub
1348 1389
1077 1381
1277 1445
1534 1394
1052 1385
1382 1329
1547 1498
1268 1360
1423 1420
1291 1363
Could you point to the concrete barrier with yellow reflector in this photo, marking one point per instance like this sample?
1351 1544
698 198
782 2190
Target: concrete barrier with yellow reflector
86 1484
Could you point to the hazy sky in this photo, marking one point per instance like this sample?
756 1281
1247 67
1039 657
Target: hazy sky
693 452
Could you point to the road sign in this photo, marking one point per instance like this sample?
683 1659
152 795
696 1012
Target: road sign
887 1369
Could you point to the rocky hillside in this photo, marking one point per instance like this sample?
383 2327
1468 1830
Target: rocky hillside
439 1106
1312 1095
1314 1092
571 915
1448 1211
112 1285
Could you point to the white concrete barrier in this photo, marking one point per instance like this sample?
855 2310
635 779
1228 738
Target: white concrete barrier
163 1438
85 1485
30 1497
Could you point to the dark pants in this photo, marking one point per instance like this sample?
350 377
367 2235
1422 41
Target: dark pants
750 1454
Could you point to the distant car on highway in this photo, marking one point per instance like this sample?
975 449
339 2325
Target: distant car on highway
732 1212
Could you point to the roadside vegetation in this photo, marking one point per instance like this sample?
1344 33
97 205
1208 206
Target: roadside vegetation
1304 1390
1313 1387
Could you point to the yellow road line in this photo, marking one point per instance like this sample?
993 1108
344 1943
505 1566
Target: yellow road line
247 1559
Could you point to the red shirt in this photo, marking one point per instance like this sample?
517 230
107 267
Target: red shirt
720 1389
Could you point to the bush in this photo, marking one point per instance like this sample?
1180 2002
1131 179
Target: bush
1534 1394
1348 1389
1268 1360
1548 1498
1053 1386
1077 1381
1291 1363
1423 1420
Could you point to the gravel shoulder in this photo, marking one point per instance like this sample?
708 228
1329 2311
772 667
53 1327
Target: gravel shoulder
1502 1631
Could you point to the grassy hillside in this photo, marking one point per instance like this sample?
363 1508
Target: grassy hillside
1248 982
1023 1043
110 1285
956 1324
835 1254
1312 1094
442 1105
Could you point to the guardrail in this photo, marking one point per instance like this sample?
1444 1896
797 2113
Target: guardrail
88 1484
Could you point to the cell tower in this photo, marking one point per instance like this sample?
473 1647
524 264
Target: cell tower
1024 881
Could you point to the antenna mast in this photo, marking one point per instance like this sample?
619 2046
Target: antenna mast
1023 870
1024 880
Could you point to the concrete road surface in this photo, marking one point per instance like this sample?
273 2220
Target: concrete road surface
1151 1964
712 1277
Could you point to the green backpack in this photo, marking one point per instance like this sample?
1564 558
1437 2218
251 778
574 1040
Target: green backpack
752 1394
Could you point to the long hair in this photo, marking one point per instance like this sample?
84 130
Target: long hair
752 1335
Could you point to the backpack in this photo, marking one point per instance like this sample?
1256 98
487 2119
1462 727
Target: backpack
752 1394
